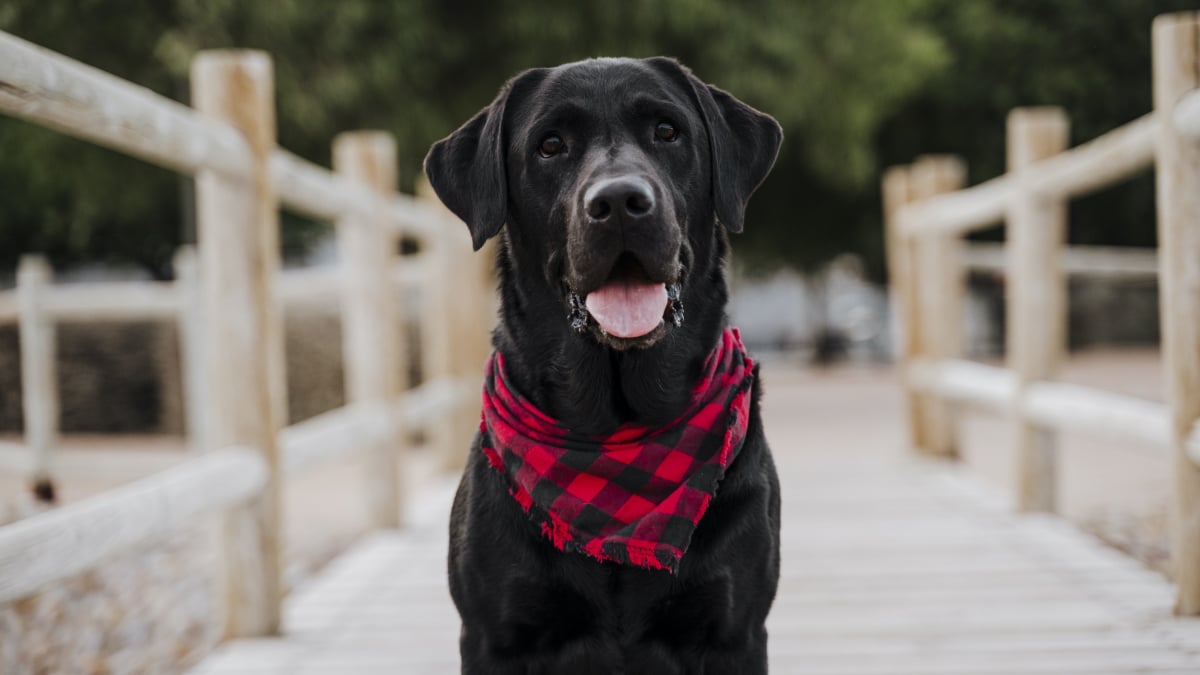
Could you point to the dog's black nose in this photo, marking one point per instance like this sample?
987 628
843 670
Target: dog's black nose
629 198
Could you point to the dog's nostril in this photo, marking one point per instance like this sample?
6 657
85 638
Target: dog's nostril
638 203
599 209
621 199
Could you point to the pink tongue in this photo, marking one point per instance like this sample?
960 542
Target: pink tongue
626 309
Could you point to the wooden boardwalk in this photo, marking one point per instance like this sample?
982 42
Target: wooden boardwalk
892 565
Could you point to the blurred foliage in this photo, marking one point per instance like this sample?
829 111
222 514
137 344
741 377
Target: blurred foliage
857 84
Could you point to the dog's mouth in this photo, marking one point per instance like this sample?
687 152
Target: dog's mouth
628 305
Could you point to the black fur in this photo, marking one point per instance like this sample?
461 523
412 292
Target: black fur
528 609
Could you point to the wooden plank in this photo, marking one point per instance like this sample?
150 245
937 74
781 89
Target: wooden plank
112 301
975 384
898 191
55 544
1186 117
959 212
1019 594
316 285
459 308
54 91
1104 161
372 343
238 228
1176 72
107 465
1072 407
1049 405
1093 262
39 372
1087 168
940 296
317 192
334 434
353 428
1037 293
1192 445
190 322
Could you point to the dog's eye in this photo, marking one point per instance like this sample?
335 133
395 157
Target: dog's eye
551 146
665 131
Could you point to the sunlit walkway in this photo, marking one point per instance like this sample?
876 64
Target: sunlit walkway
892 565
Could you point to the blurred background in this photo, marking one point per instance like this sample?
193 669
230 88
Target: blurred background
858 85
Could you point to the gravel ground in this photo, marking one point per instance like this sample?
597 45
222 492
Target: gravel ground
150 611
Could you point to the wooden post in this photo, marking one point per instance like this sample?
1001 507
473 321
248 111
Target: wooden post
897 192
456 328
1037 294
238 233
370 334
191 345
1176 72
905 324
39 375
938 292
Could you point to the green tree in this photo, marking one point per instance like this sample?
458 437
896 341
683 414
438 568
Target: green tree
831 71
1091 58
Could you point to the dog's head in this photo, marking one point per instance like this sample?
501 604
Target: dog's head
612 176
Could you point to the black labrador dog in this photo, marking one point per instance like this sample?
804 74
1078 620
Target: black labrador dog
610 174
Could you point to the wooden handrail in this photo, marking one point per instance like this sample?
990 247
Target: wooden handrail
1085 261
227 301
351 429
68 540
52 90
1187 115
132 300
1053 405
958 212
1031 199
1083 169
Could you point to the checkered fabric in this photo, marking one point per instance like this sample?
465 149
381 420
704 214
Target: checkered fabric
635 496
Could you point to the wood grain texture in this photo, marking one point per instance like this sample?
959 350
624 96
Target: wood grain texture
897 193
1037 292
190 322
1049 405
1187 115
39 371
939 295
238 232
1092 262
890 566
461 307
1177 72
49 546
371 337
54 91
1084 169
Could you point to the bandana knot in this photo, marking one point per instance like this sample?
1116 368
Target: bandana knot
636 495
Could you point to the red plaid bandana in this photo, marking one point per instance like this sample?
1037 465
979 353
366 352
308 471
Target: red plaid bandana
632 497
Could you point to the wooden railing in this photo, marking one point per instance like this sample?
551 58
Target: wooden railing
227 301
927 213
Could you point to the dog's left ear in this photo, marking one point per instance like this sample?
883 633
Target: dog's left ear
467 169
743 141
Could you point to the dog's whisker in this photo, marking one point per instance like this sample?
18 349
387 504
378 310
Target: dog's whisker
579 314
673 295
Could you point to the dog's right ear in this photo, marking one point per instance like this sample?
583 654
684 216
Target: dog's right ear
467 169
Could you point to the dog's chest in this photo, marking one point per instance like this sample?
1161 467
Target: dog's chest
622 606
